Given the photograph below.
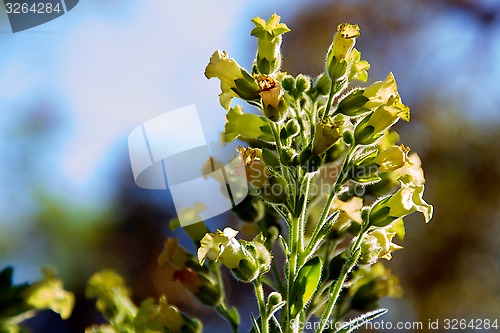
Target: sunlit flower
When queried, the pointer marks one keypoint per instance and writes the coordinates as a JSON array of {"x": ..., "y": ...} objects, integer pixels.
[
  {"x": 235, "y": 81},
  {"x": 327, "y": 133},
  {"x": 269, "y": 42},
  {"x": 393, "y": 158},
  {"x": 406, "y": 200}
]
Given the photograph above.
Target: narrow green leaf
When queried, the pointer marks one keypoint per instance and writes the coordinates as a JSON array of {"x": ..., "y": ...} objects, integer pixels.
[
  {"x": 305, "y": 285},
  {"x": 357, "y": 322}
]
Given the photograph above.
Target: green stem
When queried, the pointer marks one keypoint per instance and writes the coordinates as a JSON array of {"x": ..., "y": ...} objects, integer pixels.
[
  {"x": 337, "y": 287},
  {"x": 259, "y": 294},
  {"x": 296, "y": 108},
  {"x": 223, "y": 308},
  {"x": 330, "y": 100},
  {"x": 303, "y": 213},
  {"x": 326, "y": 209}
]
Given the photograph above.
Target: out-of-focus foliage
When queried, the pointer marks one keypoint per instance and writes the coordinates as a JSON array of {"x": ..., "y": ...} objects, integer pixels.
[
  {"x": 113, "y": 301},
  {"x": 19, "y": 302}
]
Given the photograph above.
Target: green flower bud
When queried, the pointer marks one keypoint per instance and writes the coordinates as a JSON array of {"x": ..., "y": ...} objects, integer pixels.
[
  {"x": 292, "y": 128},
  {"x": 406, "y": 200},
  {"x": 365, "y": 170},
  {"x": 286, "y": 156},
  {"x": 359, "y": 68},
  {"x": 235, "y": 81},
  {"x": 288, "y": 83},
  {"x": 323, "y": 84},
  {"x": 202, "y": 285},
  {"x": 327, "y": 133},
  {"x": 303, "y": 83},
  {"x": 269, "y": 42},
  {"x": 274, "y": 298}
]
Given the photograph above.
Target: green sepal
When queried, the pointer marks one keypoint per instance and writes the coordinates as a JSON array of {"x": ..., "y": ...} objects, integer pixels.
[
  {"x": 270, "y": 158},
  {"x": 352, "y": 103}
]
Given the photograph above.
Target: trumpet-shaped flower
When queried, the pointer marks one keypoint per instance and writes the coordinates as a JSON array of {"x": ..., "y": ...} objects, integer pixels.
[
  {"x": 406, "y": 200},
  {"x": 235, "y": 81},
  {"x": 393, "y": 158},
  {"x": 374, "y": 124},
  {"x": 269, "y": 42},
  {"x": 380, "y": 92},
  {"x": 247, "y": 260},
  {"x": 327, "y": 133}
]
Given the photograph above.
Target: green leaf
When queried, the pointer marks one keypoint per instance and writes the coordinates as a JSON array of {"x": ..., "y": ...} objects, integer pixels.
[
  {"x": 305, "y": 285},
  {"x": 234, "y": 317},
  {"x": 357, "y": 322}
]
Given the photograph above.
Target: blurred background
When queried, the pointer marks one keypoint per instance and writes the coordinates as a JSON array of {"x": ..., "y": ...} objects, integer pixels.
[{"x": 73, "y": 89}]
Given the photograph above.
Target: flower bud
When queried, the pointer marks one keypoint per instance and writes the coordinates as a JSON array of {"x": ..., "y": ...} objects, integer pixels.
[
  {"x": 274, "y": 298},
  {"x": 364, "y": 169},
  {"x": 302, "y": 84},
  {"x": 292, "y": 128},
  {"x": 269, "y": 42},
  {"x": 323, "y": 84},
  {"x": 235, "y": 81},
  {"x": 359, "y": 68},
  {"x": 406, "y": 200}
]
